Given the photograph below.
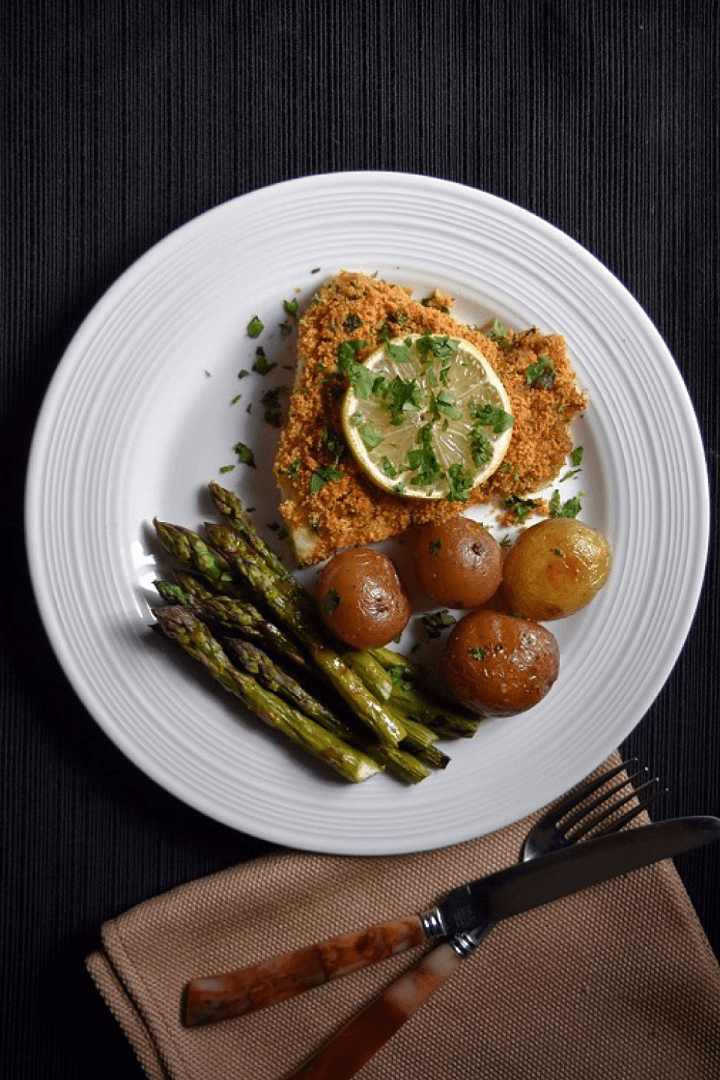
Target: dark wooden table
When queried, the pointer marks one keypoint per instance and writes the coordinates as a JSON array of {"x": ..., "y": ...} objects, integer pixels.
[{"x": 125, "y": 118}]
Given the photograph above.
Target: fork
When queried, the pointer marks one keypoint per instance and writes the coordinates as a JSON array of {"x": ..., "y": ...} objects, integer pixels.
[
  {"x": 571, "y": 819},
  {"x": 237, "y": 993}
]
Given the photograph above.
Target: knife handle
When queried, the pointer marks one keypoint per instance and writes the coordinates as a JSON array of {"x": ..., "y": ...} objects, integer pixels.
[
  {"x": 369, "y": 1030},
  {"x": 222, "y": 996}
]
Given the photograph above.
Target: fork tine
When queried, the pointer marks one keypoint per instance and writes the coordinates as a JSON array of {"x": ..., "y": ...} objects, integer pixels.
[
  {"x": 559, "y": 810},
  {"x": 628, "y": 816},
  {"x": 586, "y": 809},
  {"x": 595, "y": 821}
]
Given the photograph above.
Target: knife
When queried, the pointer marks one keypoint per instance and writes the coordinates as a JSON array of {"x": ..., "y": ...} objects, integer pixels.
[{"x": 471, "y": 909}]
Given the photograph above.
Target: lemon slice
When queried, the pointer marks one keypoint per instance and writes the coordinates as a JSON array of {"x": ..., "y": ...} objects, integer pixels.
[{"x": 426, "y": 416}]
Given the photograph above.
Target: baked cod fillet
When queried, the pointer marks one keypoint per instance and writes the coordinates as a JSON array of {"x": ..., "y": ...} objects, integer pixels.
[{"x": 327, "y": 501}]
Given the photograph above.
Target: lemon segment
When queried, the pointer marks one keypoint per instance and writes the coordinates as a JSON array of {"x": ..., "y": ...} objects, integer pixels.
[{"x": 426, "y": 416}]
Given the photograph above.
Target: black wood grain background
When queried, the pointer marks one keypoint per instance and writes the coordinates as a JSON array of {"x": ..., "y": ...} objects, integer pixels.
[{"x": 122, "y": 119}]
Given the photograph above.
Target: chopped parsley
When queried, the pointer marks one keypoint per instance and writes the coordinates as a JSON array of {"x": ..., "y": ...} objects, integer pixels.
[
  {"x": 387, "y": 467},
  {"x": 323, "y": 475},
  {"x": 331, "y": 601},
  {"x": 432, "y": 301},
  {"x": 520, "y": 507},
  {"x": 293, "y": 468},
  {"x": 397, "y": 678},
  {"x": 226, "y": 468},
  {"x": 401, "y": 354},
  {"x": 271, "y": 402},
  {"x": 434, "y": 624},
  {"x": 576, "y": 460},
  {"x": 423, "y": 461},
  {"x": 434, "y": 547},
  {"x": 444, "y": 403},
  {"x": 347, "y": 350},
  {"x": 405, "y": 395},
  {"x": 361, "y": 379},
  {"x": 333, "y": 442},
  {"x": 459, "y": 483},
  {"x": 477, "y": 653},
  {"x": 480, "y": 446},
  {"x": 291, "y": 306},
  {"x": 261, "y": 364},
  {"x": 441, "y": 347},
  {"x": 569, "y": 509},
  {"x": 497, "y": 332},
  {"x": 245, "y": 454},
  {"x": 352, "y": 322},
  {"x": 491, "y": 416},
  {"x": 370, "y": 436},
  {"x": 541, "y": 374},
  {"x": 255, "y": 327},
  {"x": 242, "y": 373}
]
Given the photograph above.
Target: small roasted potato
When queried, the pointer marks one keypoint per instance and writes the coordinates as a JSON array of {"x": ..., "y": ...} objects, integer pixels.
[
  {"x": 362, "y": 599},
  {"x": 497, "y": 665},
  {"x": 457, "y": 562},
  {"x": 555, "y": 568}
]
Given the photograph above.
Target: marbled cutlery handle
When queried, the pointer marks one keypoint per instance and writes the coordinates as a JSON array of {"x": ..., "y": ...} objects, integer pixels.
[
  {"x": 366, "y": 1033},
  {"x": 222, "y": 996}
]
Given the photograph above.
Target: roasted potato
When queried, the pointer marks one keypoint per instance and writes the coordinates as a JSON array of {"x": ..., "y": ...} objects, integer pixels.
[
  {"x": 555, "y": 568},
  {"x": 362, "y": 599},
  {"x": 497, "y": 664},
  {"x": 457, "y": 562}
]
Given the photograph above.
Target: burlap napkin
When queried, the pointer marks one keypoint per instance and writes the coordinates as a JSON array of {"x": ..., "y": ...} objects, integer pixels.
[{"x": 613, "y": 983}]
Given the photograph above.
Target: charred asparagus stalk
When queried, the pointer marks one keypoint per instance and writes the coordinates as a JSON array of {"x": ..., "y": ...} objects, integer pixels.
[
  {"x": 239, "y": 616},
  {"x": 182, "y": 626},
  {"x": 399, "y": 761},
  {"x": 303, "y": 624},
  {"x": 410, "y": 698},
  {"x": 231, "y": 508}
]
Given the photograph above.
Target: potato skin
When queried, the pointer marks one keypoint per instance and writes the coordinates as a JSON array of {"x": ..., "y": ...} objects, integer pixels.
[
  {"x": 555, "y": 568},
  {"x": 369, "y": 605},
  {"x": 457, "y": 562},
  {"x": 498, "y": 665}
]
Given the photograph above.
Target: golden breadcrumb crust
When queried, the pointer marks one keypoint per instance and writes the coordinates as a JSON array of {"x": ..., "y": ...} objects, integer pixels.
[{"x": 351, "y": 511}]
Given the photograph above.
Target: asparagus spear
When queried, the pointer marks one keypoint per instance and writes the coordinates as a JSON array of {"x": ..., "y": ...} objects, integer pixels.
[
  {"x": 182, "y": 626},
  {"x": 409, "y": 697},
  {"x": 193, "y": 585},
  {"x": 406, "y": 766},
  {"x": 373, "y": 674},
  {"x": 407, "y": 702},
  {"x": 303, "y": 624},
  {"x": 232, "y": 614},
  {"x": 433, "y": 756},
  {"x": 401, "y": 763},
  {"x": 231, "y": 507},
  {"x": 256, "y": 662},
  {"x": 192, "y": 551}
]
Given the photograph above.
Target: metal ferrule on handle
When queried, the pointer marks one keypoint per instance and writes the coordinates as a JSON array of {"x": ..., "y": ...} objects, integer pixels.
[
  {"x": 434, "y": 925},
  {"x": 465, "y": 943}
]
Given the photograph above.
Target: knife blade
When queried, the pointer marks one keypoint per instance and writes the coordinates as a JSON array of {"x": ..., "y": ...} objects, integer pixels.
[{"x": 465, "y": 916}]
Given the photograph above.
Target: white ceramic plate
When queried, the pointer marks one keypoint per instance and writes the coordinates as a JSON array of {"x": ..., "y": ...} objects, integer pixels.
[{"x": 139, "y": 417}]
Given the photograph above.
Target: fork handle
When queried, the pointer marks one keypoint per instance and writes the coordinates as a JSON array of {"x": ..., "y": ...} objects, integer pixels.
[
  {"x": 220, "y": 997},
  {"x": 369, "y": 1030}
]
